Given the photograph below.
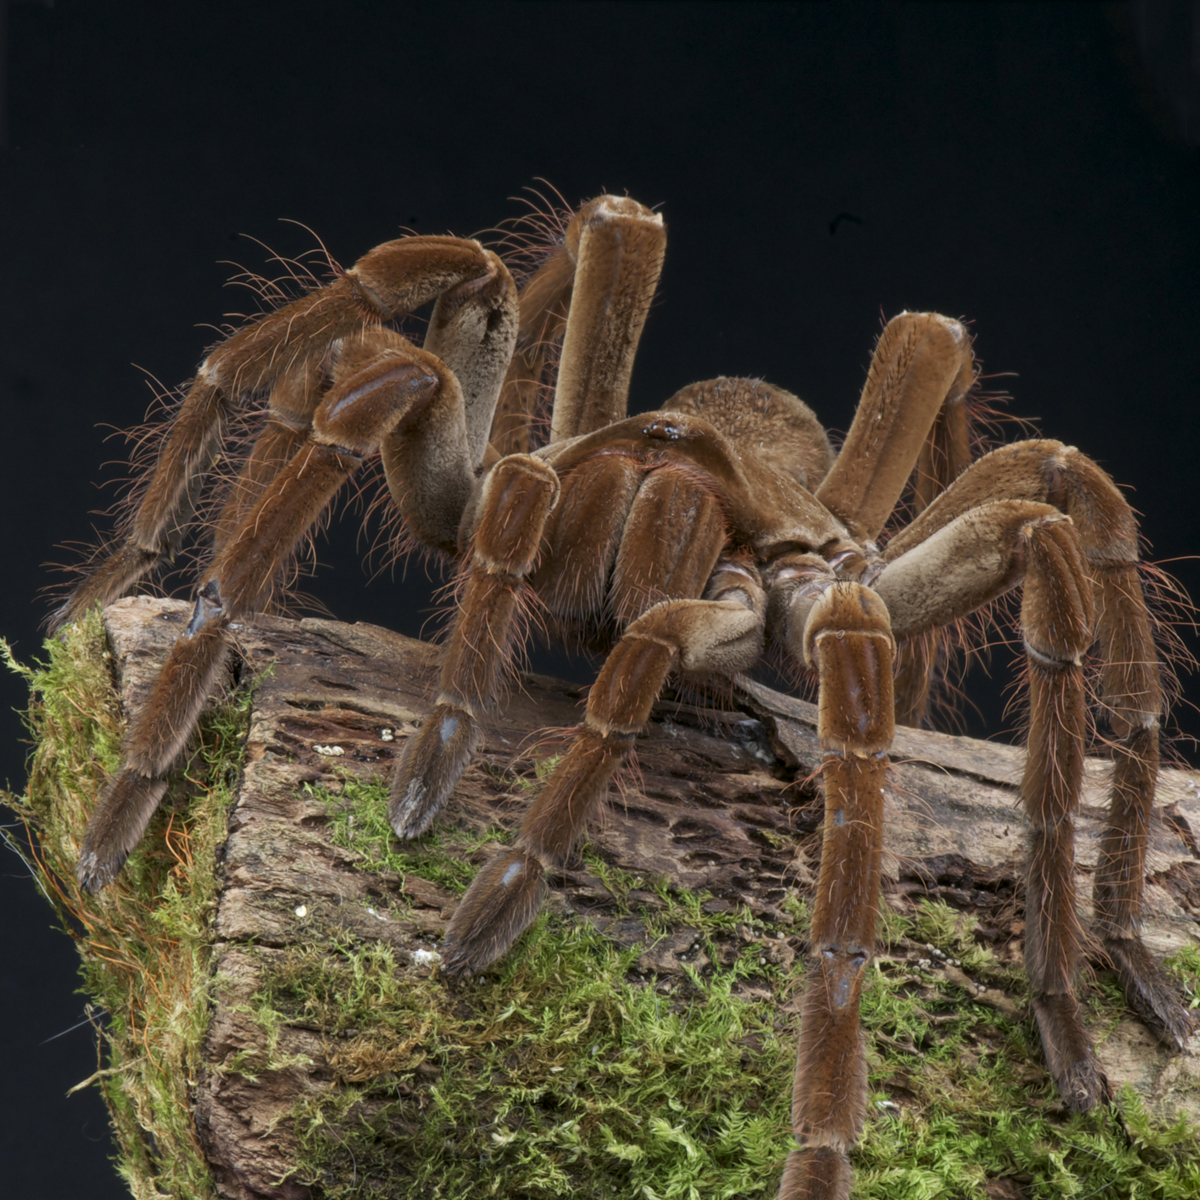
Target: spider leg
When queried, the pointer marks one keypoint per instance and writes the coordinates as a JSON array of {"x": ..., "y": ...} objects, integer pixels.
[
  {"x": 848, "y": 640},
  {"x": 695, "y": 636},
  {"x": 1057, "y": 618},
  {"x": 400, "y": 393},
  {"x": 1128, "y": 683},
  {"x": 945, "y": 454},
  {"x": 516, "y": 501},
  {"x": 958, "y": 554},
  {"x": 390, "y": 280},
  {"x": 433, "y": 457},
  {"x": 969, "y": 561},
  {"x": 471, "y": 329},
  {"x": 618, "y": 247},
  {"x": 584, "y": 309},
  {"x": 545, "y": 300},
  {"x": 1131, "y": 690},
  {"x": 582, "y": 544},
  {"x": 922, "y": 366},
  {"x": 293, "y": 400},
  {"x": 978, "y": 556}
]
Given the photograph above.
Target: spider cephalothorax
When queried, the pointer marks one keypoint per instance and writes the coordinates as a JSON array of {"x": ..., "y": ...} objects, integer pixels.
[{"x": 677, "y": 543}]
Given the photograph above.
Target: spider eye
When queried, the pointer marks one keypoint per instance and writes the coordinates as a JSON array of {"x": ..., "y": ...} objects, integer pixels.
[{"x": 663, "y": 430}]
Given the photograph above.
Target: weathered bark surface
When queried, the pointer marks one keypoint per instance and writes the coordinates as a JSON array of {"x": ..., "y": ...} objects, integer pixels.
[{"x": 716, "y": 806}]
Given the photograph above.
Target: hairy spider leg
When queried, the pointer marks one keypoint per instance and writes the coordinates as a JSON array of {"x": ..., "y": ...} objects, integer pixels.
[
  {"x": 605, "y": 272},
  {"x": 977, "y": 548},
  {"x": 1057, "y": 622},
  {"x": 517, "y": 497},
  {"x": 388, "y": 281},
  {"x": 403, "y": 394},
  {"x": 946, "y": 451},
  {"x": 292, "y": 401},
  {"x": 618, "y": 246},
  {"x": 847, "y": 640},
  {"x": 545, "y": 301},
  {"x": 921, "y": 366},
  {"x": 714, "y": 636},
  {"x": 912, "y": 414},
  {"x": 979, "y": 555},
  {"x": 945, "y": 454}
]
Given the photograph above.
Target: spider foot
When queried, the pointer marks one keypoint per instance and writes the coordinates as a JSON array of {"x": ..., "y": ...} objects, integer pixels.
[
  {"x": 430, "y": 765},
  {"x": 116, "y": 827},
  {"x": 1072, "y": 1063},
  {"x": 816, "y": 1173},
  {"x": 498, "y": 907},
  {"x": 1149, "y": 992}
]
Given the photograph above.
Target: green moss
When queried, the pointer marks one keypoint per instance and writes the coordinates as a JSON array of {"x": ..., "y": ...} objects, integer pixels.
[
  {"x": 569, "y": 1068},
  {"x": 1184, "y": 967},
  {"x": 950, "y": 934},
  {"x": 358, "y": 821},
  {"x": 558, "y": 1076},
  {"x": 566, "y": 1071},
  {"x": 558, "y": 1073},
  {"x": 961, "y": 1099},
  {"x": 144, "y": 942}
]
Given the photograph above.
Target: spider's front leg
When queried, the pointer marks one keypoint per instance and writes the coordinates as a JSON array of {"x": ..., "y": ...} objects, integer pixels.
[
  {"x": 717, "y": 636},
  {"x": 385, "y": 392},
  {"x": 517, "y": 498},
  {"x": 848, "y": 639}
]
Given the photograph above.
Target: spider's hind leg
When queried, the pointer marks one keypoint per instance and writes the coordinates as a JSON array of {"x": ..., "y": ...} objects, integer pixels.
[
  {"x": 1131, "y": 698},
  {"x": 400, "y": 389},
  {"x": 392, "y": 279},
  {"x": 1081, "y": 586},
  {"x": 1057, "y": 616}
]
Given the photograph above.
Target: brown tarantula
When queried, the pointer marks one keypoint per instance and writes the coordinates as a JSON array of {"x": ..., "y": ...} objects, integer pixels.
[{"x": 678, "y": 543}]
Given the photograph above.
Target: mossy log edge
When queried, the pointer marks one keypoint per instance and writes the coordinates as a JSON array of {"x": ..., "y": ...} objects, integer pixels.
[{"x": 722, "y": 801}]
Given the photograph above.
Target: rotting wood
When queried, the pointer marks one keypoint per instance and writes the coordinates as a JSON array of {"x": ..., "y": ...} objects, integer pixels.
[{"x": 719, "y": 802}]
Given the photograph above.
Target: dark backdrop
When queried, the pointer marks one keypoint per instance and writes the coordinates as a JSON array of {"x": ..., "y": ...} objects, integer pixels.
[{"x": 1030, "y": 168}]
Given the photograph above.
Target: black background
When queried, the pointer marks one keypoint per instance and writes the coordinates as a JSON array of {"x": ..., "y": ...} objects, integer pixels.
[{"x": 1029, "y": 168}]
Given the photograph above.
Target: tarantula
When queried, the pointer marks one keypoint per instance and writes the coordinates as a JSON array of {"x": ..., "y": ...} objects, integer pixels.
[{"x": 679, "y": 542}]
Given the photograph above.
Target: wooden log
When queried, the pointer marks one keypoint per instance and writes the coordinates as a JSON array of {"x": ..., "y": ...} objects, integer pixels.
[{"x": 722, "y": 803}]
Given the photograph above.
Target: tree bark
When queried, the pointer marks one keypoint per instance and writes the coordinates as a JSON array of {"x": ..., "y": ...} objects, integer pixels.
[{"x": 723, "y": 800}]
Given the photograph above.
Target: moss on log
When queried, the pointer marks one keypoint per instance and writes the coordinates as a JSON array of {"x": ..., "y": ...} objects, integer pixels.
[{"x": 268, "y": 959}]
